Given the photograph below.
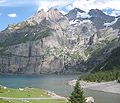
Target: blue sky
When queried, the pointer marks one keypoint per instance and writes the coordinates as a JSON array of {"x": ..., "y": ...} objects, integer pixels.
[{"x": 14, "y": 11}]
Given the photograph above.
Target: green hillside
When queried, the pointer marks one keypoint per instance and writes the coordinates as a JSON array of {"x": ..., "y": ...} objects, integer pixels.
[
  {"x": 112, "y": 62},
  {"x": 109, "y": 70}
]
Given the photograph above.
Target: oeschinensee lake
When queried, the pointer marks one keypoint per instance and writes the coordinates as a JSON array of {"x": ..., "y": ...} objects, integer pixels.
[{"x": 56, "y": 83}]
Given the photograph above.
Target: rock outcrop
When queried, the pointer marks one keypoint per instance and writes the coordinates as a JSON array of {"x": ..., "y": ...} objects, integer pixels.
[{"x": 50, "y": 42}]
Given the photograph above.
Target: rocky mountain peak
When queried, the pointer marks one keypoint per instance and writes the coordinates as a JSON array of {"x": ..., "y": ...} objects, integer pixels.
[
  {"x": 42, "y": 10},
  {"x": 37, "y": 17},
  {"x": 50, "y": 42},
  {"x": 51, "y": 15},
  {"x": 72, "y": 15},
  {"x": 78, "y": 10},
  {"x": 99, "y": 18},
  {"x": 96, "y": 12}
]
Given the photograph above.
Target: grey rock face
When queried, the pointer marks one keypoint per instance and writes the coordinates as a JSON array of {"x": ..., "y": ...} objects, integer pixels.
[
  {"x": 117, "y": 24},
  {"x": 99, "y": 18},
  {"x": 50, "y": 42},
  {"x": 72, "y": 15}
]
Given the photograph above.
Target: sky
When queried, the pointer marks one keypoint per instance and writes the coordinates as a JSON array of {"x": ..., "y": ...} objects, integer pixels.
[{"x": 15, "y": 11}]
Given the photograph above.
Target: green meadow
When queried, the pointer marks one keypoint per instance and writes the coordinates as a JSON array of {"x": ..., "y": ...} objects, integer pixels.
[{"x": 26, "y": 93}]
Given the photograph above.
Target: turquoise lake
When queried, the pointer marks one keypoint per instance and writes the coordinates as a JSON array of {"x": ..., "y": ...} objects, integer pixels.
[{"x": 56, "y": 83}]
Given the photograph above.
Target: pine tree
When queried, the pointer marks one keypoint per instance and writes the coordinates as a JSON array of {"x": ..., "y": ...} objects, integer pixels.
[{"x": 77, "y": 96}]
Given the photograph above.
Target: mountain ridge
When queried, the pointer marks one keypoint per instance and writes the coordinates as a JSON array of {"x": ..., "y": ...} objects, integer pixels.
[{"x": 50, "y": 42}]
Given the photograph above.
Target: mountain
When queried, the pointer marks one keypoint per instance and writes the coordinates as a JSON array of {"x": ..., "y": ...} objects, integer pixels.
[
  {"x": 99, "y": 18},
  {"x": 50, "y": 42},
  {"x": 111, "y": 63},
  {"x": 73, "y": 14}
]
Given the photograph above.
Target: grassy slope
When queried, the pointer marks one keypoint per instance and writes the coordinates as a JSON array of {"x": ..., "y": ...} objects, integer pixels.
[
  {"x": 26, "y": 93},
  {"x": 4, "y": 101}
]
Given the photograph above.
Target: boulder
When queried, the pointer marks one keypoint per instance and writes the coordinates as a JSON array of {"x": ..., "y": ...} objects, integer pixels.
[{"x": 90, "y": 100}]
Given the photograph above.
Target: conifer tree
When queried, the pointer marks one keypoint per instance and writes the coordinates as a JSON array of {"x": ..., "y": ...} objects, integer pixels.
[{"x": 77, "y": 96}]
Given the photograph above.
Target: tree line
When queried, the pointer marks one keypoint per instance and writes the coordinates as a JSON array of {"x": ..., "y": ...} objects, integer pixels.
[{"x": 102, "y": 76}]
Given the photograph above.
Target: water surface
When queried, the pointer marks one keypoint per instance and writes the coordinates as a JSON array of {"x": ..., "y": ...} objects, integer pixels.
[{"x": 56, "y": 83}]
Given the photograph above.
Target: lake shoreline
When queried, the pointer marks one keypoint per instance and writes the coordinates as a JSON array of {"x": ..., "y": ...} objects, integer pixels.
[
  {"x": 109, "y": 87},
  {"x": 57, "y": 84}
]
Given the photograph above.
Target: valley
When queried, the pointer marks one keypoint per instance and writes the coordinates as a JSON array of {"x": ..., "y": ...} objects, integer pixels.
[{"x": 42, "y": 56}]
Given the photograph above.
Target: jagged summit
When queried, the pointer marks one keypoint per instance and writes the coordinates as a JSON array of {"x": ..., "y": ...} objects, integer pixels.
[
  {"x": 53, "y": 9},
  {"x": 78, "y": 10},
  {"x": 96, "y": 12},
  {"x": 52, "y": 15},
  {"x": 99, "y": 18},
  {"x": 72, "y": 15}
]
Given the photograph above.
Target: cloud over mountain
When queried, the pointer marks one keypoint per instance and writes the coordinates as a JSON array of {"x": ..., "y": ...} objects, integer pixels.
[
  {"x": 66, "y": 5},
  {"x": 85, "y": 5},
  {"x": 93, "y": 4},
  {"x": 47, "y": 4}
]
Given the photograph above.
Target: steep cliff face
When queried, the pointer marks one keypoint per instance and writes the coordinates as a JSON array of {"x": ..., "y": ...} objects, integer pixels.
[{"x": 50, "y": 42}]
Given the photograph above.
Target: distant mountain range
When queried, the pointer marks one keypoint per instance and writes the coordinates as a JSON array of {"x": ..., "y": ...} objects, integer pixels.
[{"x": 50, "y": 42}]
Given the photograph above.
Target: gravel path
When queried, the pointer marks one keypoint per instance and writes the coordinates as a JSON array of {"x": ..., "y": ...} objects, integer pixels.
[
  {"x": 51, "y": 98},
  {"x": 111, "y": 87}
]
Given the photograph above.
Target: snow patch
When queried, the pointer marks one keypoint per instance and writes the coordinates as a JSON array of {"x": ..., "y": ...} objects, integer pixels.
[
  {"x": 78, "y": 22},
  {"x": 111, "y": 23},
  {"x": 34, "y": 34},
  {"x": 83, "y": 15},
  {"x": 72, "y": 22},
  {"x": 26, "y": 35},
  {"x": 85, "y": 21}
]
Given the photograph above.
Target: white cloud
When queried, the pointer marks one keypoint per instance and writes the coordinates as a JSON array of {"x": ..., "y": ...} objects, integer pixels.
[
  {"x": 18, "y": 3},
  {"x": 86, "y": 5},
  {"x": 115, "y": 13},
  {"x": 93, "y": 4},
  {"x": 2, "y": 1},
  {"x": 47, "y": 4},
  {"x": 13, "y": 15},
  {"x": 65, "y": 5}
]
